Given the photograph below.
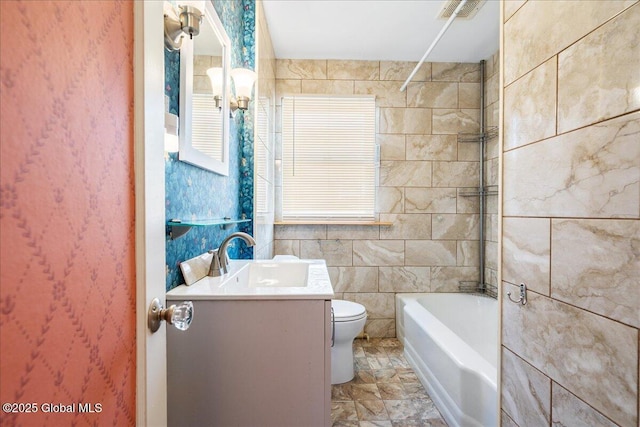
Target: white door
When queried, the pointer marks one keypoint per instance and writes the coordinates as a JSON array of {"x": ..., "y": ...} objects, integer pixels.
[{"x": 151, "y": 360}]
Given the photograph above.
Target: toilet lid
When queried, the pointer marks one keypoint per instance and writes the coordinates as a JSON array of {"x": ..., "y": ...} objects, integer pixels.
[{"x": 346, "y": 311}]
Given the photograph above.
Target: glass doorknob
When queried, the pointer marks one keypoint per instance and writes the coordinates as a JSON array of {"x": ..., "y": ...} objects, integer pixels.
[{"x": 178, "y": 315}]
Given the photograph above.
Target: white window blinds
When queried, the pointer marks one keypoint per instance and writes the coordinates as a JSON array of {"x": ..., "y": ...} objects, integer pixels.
[
  {"x": 328, "y": 158},
  {"x": 206, "y": 125}
]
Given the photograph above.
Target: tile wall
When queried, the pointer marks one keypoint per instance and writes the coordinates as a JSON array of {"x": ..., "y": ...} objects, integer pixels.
[
  {"x": 433, "y": 242},
  {"x": 264, "y": 138},
  {"x": 491, "y": 168},
  {"x": 571, "y": 213}
]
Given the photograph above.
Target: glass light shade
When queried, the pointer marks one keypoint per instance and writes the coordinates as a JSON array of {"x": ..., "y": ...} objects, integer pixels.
[
  {"x": 215, "y": 75},
  {"x": 243, "y": 80}
]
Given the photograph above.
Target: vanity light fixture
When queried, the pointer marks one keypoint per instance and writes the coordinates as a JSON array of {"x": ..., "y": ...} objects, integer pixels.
[
  {"x": 187, "y": 22},
  {"x": 215, "y": 75},
  {"x": 243, "y": 80}
]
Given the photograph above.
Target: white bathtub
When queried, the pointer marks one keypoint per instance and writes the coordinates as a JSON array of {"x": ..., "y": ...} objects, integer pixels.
[{"x": 450, "y": 340}]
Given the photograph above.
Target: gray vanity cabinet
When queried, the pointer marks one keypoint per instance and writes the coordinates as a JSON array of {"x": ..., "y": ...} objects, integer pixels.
[{"x": 262, "y": 363}]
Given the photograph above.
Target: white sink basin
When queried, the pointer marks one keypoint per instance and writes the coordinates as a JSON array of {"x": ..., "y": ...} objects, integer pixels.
[
  {"x": 280, "y": 274},
  {"x": 262, "y": 279}
]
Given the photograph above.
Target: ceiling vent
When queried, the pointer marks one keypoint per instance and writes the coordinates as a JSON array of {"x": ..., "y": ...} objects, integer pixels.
[{"x": 468, "y": 11}]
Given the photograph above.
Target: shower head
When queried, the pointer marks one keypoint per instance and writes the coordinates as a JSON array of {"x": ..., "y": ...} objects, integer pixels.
[{"x": 468, "y": 11}]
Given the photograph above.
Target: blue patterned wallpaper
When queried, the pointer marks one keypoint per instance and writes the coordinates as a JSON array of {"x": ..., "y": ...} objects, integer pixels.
[
  {"x": 246, "y": 141},
  {"x": 195, "y": 193}
]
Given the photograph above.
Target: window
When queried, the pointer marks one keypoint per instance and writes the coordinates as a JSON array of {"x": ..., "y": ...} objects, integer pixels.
[
  {"x": 206, "y": 125},
  {"x": 328, "y": 158}
]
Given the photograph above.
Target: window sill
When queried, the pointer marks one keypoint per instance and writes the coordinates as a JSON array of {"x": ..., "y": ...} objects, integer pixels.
[{"x": 328, "y": 222}]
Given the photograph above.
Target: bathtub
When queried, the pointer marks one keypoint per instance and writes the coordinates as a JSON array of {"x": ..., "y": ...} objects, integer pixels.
[{"x": 450, "y": 340}]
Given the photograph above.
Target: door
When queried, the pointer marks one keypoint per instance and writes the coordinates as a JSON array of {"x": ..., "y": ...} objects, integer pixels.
[{"x": 151, "y": 360}]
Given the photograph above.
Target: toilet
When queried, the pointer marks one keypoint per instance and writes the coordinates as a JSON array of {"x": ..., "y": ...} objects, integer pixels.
[{"x": 348, "y": 320}]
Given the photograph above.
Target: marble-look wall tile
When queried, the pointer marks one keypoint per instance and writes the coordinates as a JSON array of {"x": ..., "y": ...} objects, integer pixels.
[
  {"x": 404, "y": 279},
  {"x": 505, "y": 420},
  {"x": 491, "y": 255},
  {"x": 387, "y": 93},
  {"x": 590, "y": 172},
  {"x": 467, "y": 205},
  {"x": 454, "y": 226},
  {"x": 380, "y": 305},
  {"x": 492, "y": 65},
  {"x": 531, "y": 103},
  {"x": 492, "y": 171},
  {"x": 407, "y": 120},
  {"x": 353, "y": 70},
  {"x": 390, "y": 200},
  {"x": 287, "y": 87},
  {"x": 492, "y": 115},
  {"x": 594, "y": 357},
  {"x": 468, "y": 253},
  {"x": 492, "y": 90},
  {"x": 526, "y": 392},
  {"x": 447, "y": 279},
  {"x": 284, "y": 232},
  {"x": 406, "y": 226},
  {"x": 400, "y": 70},
  {"x": 405, "y": 174},
  {"x": 450, "y": 121},
  {"x": 432, "y": 147},
  {"x": 431, "y": 253},
  {"x": 301, "y": 69},
  {"x": 327, "y": 87},
  {"x": 529, "y": 45},
  {"x": 493, "y": 229},
  {"x": 568, "y": 410},
  {"x": 455, "y": 174},
  {"x": 469, "y": 93},
  {"x": 526, "y": 252},
  {"x": 381, "y": 328},
  {"x": 392, "y": 147},
  {"x": 378, "y": 252},
  {"x": 511, "y": 6},
  {"x": 455, "y": 72},
  {"x": 468, "y": 152},
  {"x": 352, "y": 232},
  {"x": 433, "y": 95},
  {"x": 430, "y": 200},
  {"x": 201, "y": 84},
  {"x": 589, "y": 94},
  {"x": 595, "y": 264},
  {"x": 408, "y": 150},
  {"x": 354, "y": 279},
  {"x": 335, "y": 252}
]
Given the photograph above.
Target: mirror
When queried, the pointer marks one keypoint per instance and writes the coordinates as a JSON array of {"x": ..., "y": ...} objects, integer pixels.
[{"x": 204, "y": 127}]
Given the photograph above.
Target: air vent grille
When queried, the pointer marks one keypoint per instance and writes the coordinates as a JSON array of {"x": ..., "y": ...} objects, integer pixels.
[{"x": 468, "y": 11}]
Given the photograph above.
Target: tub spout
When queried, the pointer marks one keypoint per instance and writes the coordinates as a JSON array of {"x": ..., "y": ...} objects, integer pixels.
[{"x": 220, "y": 259}]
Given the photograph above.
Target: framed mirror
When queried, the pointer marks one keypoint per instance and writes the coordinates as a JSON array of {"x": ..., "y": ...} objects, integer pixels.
[{"x": 204, "y": 68}]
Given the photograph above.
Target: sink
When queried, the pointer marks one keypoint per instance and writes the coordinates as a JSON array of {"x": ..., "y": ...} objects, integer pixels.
[
  {"x": 278, "y": 274},
  {"x": 262, "y": 279}
]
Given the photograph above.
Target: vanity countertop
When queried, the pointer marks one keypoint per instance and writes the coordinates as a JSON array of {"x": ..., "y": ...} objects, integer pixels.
[{"x": 234, "y": 285}]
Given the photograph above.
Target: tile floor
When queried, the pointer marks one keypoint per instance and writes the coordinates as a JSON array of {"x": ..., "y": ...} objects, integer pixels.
[{"x": 385, "y": 391}]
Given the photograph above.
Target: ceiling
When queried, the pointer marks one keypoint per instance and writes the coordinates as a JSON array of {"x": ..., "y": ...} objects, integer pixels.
[{"x": 393, "y": 30}]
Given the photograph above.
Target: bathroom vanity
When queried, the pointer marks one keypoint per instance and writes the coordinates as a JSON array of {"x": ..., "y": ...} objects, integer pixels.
[{"x": 258, "y": 350}]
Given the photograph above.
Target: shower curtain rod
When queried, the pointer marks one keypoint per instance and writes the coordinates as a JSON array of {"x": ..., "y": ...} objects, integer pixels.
[{"x": 437, "y": 39}]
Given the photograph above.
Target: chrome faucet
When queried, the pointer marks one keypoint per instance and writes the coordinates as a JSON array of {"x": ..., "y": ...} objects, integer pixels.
[{"x": 220, "y": 259}]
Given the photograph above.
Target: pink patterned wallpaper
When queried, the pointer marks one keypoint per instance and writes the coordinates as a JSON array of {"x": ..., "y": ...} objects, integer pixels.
[{"x": 67, "y": 283}]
